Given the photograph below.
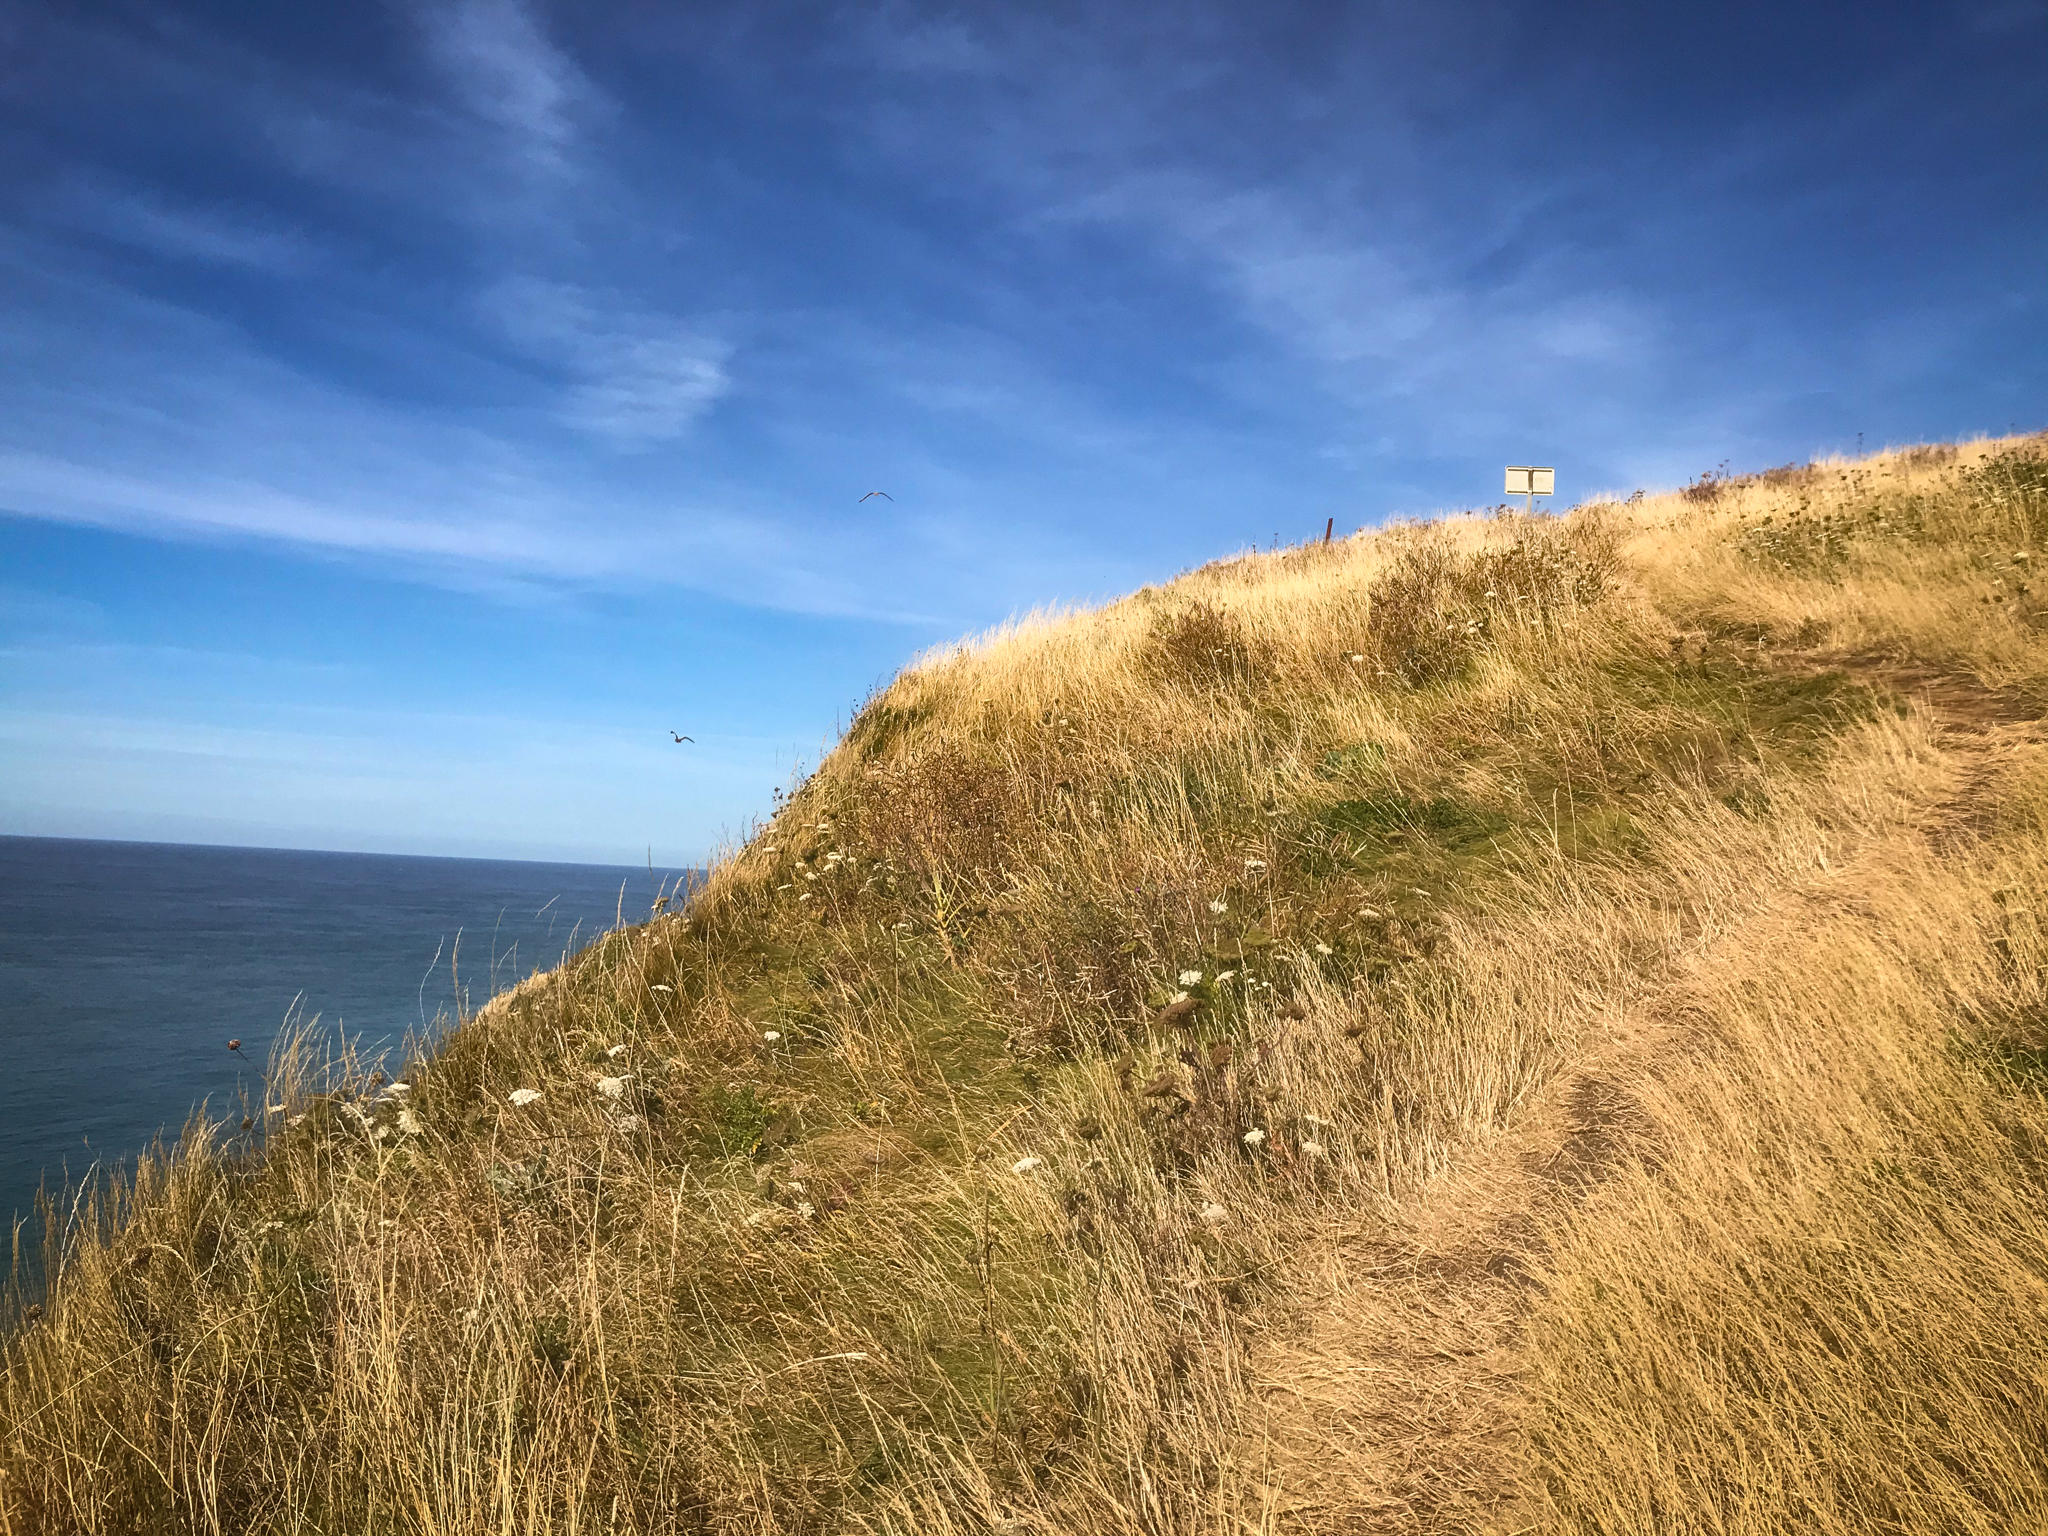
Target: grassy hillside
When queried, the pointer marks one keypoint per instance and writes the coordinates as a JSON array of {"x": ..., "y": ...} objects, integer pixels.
[{"x": 1498, "y": 1025}]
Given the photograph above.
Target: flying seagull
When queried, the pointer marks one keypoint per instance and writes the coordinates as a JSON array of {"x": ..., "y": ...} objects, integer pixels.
[
  {"x": 884, "y": 494},
  {"x": 691, "y": 739}
]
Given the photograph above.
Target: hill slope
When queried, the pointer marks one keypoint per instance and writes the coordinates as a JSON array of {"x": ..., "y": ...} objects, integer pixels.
[{"x": 1501, "y": 1024}]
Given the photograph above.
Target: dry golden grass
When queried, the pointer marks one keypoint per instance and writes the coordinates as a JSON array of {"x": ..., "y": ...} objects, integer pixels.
[{"x": 1499, "y": 1024}]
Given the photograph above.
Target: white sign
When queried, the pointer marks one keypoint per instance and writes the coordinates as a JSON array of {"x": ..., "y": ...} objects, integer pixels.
[{"x": 1531, "y": 480}]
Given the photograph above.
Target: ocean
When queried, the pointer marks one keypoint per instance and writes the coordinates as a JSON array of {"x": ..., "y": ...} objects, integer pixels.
[{"x": 125, "y": 969}]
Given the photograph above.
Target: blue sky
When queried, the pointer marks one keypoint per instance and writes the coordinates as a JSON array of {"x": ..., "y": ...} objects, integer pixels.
[{"x": 410, "y": 413}]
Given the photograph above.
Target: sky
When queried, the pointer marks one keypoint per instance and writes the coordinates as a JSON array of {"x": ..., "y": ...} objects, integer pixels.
[{"x": 414, "y": 414}]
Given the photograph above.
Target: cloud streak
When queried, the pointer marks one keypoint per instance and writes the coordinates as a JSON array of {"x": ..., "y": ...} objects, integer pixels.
[
  {"x": 507, "y": 72},
  {"x": 638, "y": 378}
]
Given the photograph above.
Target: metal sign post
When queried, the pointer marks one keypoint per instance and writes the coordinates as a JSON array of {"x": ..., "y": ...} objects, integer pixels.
[{"x": 1531, "y": 481}]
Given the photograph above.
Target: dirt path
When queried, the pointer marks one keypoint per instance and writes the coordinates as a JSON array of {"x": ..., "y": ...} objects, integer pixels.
[{"x": 1397, "y": 1410}]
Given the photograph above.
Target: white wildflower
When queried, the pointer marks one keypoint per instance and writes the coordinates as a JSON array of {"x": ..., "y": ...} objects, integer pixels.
[
  {"x": 270, "y": 1226},
  {"x": 1254, "y": 863},
  {"x": 399, "y": 1090},
  {"x": 1357, "y": 656},
  {"x": 523, "y": 1096},
  {"x": 629, "y": 1123},
  {"x": 771, "y": 1035},
  {"x": 1180, "y": 997},
  {"x": 796, "y": 1186},
  {"x": 1026, "y": 1164},
  {"x": 1214, "y": 1214},
  {"x": 1315, "y": 1149},
  {"x": 1219, "y": 907},
  {"x": 612, "y": 1087},
  {"x": 1190, "y": 978},
  {"x": 1254, "y": 1136},
  {"x": 1324, "y": 949},
  {"x": 805, "y": 1209},
  {"x": 409, "y": 1123},
  {"x": 661, "y": 986}
]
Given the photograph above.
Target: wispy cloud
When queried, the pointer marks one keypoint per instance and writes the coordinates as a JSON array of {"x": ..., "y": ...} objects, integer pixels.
[
  {"x": 195, "y": 434},
  {"x": 897, "y": 38},
  {"x": 517, "y": 524},
  {"x": 165, "y": 226},
  {"x": 637, "y": 377},
  {"x": 508, "y": 72}
]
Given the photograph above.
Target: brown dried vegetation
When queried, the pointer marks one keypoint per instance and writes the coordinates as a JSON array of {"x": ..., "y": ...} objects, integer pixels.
[{"x": 1457, "y": 1029}]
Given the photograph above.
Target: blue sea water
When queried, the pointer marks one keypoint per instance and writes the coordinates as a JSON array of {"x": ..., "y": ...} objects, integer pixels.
[{"x": 125, "y": 968}]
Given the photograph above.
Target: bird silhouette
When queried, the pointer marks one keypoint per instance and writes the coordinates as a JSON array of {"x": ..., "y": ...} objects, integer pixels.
[
  {"x": 884, "y": 494},
  {"x": 690, "y": 739}
]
